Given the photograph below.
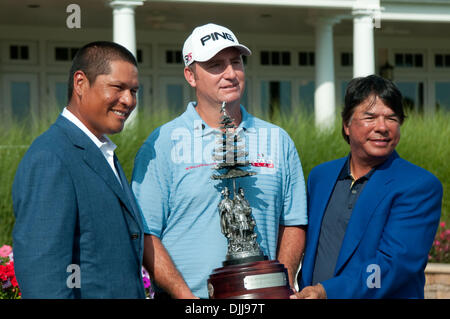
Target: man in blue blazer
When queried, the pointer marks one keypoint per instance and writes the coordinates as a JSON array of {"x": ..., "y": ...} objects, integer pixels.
[
  {"x": 77, "y": 232},
  {"x": 372, "y": 215}
]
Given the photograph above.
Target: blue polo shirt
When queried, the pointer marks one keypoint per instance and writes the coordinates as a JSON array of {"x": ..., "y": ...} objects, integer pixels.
[{"x": 178, "y": 198}]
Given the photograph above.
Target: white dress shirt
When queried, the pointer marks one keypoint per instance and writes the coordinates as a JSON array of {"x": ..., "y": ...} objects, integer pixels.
[{"x": 105, "y": 145}]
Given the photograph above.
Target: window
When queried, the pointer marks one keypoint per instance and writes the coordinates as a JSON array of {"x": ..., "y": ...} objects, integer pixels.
[
  {"x": 19, "y": 52},
  {"x": 19, "y": 95},
  {"x": 276, "y": 97},
  {"x": 413, "y": 95},
  {"x": 409, "y": 60},
  {"x": 343, "y": 92},
  {"x": 275, "y": 58},
  {"x": 61, "y": 94},
  {"x": 20, "y": 99},
  {"x": 139, "y": 56},
  {"x": 144, "y": 55},
  {"x": 442, "y": 90},
  {"x": 306, "y": 96},
  {"x": 306, "y": 58},
  {"x": 442, "y": 60},
  {"x": 346, "y": 59},
  {"x": 265, "y": 58},
  {"x": 173, "y": 57},
  {"x": 173, "y": 93},
  {"x": 65, "y": 53}
]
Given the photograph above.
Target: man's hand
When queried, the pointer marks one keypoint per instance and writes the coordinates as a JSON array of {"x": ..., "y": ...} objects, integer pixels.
[
  {"x": 311, "y": 292},
  {"x": 162, "y": 269},
  {"x": 291, "y": 243}
]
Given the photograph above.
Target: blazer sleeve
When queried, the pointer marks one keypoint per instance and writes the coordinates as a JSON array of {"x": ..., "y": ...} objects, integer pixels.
[
  {"x": 44, "y": 201},
  {"x": 402, "y": 251}
]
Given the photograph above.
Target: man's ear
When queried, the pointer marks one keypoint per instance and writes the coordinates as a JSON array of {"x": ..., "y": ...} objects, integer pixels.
[
  {"x": 346, "y": 129},
  {"x": 80, "y": 82},
  {"x": 189, "y": 75}
]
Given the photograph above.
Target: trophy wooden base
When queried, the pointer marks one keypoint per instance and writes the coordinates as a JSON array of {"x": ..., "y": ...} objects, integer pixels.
[{"x": 266, "y": 279}]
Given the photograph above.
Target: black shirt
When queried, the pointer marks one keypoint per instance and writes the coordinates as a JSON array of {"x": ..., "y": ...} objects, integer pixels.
[{"x": 335, "y": 220}]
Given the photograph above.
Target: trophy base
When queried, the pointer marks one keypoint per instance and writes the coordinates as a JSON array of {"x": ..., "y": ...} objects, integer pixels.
[
  {"x": 267, "y": 279},
  {"x": 243, "y": 260}
]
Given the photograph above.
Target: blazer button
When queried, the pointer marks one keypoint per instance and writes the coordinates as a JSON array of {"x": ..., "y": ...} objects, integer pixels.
[{"x": 134, "y": 236}]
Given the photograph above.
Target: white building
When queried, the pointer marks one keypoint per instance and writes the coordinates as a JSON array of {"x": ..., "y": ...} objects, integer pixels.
[{"x": 304, "y": 51}]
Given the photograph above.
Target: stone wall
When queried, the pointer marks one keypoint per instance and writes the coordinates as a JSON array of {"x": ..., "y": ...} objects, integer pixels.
[{"x": 437, "y": 285}]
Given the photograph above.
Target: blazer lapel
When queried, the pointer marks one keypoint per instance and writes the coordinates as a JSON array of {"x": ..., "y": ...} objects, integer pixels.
[
  {"x": 127, "y": 190},
  {"x": 320, "y": 202},
  {"x": 95, "y": 159},
  {"x": 373, "y": 193},
  {"x": 322, "y": 189}
]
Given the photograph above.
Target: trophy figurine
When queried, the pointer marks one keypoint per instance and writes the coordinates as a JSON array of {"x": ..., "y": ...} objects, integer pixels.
[{"x": 247, "y": 273}]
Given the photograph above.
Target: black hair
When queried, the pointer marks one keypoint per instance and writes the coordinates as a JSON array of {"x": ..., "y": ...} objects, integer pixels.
[
  {"x": 361, "y": 88},
  {"x": 94, "y": 59}
]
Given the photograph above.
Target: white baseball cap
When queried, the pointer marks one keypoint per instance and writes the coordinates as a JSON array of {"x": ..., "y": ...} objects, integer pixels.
[{"x": 208, "y": 40}]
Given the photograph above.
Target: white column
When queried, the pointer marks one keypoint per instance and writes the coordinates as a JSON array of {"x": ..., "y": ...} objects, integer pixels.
[
  {"x": 124, "y": 33},
  {"x": 366, "y": 16},
  {"x": 324, "y": 95},
  {"x": 123, "y": 23},
  {"x": 363, "y": 44}
]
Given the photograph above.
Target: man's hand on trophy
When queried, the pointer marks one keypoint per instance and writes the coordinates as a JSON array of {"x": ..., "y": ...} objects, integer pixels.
[{"x": 311, "y": 292}]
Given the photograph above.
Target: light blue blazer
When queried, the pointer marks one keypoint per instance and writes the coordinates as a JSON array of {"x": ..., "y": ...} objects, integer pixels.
[
  {"x": 71, "y": 211},
  {"x": 388, "y": 237}
]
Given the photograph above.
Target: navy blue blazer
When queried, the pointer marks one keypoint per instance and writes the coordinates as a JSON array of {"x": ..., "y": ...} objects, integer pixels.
[
  {"x": 389, "y": 234},
  {"x": 71, "y": 211}
]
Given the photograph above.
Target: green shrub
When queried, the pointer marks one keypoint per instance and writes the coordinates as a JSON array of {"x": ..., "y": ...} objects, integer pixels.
[
  {"x": 15, "y": 140},
  {"x": 423, "y": 142}
]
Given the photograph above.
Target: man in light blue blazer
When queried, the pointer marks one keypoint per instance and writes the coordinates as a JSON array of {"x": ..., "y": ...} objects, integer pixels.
[
  {"x": 77, "y": 232},
  {"x": 372, "y": 215}
]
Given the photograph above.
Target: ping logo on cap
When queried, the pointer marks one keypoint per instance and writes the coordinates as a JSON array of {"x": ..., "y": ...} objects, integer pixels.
[{"x": 215, "y": 36}]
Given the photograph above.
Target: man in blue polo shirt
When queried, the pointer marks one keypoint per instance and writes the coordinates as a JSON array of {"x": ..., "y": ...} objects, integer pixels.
[{"x": 172, "y": 176}]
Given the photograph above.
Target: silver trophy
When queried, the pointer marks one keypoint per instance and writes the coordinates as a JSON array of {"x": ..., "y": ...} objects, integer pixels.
[{"x": 236, "y": 220}]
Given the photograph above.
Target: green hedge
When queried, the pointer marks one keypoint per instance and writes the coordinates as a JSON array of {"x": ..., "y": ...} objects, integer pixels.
[{"x": 424, "y": 142}]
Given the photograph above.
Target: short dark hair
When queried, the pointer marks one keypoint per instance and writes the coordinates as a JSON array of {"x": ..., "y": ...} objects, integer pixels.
[
  {"x": 94, "y": 59},
  {"x": 361, "y": 88}
]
